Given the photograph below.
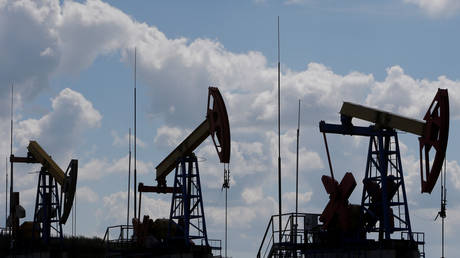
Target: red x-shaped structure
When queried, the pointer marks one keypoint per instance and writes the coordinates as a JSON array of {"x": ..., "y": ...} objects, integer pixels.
[{"x": 337, "y": 207}]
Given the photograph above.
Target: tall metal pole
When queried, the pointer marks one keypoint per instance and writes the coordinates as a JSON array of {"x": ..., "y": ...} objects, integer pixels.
[
  {"x": 297, "y": 170},
  {"x": 279, "y": 137},
  {"x": 11, "y": 125},
  {"x": 129, "y": 183},
  {"x": 297, "y": 166},
  {"x": 72, "y": 217},
  {"x": 75, "y": 208},
  {"x": 6, "y": 192},
  {"x": 135, "y": 170},
  {"x": 11, "y": 154}
]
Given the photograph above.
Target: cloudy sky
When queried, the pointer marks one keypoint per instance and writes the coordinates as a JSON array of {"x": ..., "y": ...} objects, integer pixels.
[{"x": 71, "y": 63}]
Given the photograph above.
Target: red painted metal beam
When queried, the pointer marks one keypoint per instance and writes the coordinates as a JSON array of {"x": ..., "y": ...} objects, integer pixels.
[{"x": 435, "y": 138}]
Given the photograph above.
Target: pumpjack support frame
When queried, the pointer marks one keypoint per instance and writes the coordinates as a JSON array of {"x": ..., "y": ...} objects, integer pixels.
[
  {"x": 384, "y": 187},
  {"x": 187, "y": 203},
  {"x": 47, "y": 208}
]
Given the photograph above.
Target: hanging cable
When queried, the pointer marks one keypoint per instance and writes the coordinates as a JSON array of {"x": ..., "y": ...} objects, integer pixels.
[{"x": 442, "y": 212}]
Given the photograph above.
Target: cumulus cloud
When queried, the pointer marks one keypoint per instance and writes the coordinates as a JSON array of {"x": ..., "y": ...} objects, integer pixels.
[
  {"x": 27, "y": 30},
  {"x": 252, "y": 194},
  {"x": 437, "y": 8},
  {"x": 59, "y": 130},
  {"x": 98, "y": 168},
  {"x": 247, "y": 82},
  {"x": 123, "y": 141},
  {"x": 170, "y": 137},
  {"x": 176, "y": 74},
  {"x": 86, "y": 194},
  {"x": 296, "y": 2},
  {"x": 109, "y": 213},
  {"x": 402, "y": 94}
]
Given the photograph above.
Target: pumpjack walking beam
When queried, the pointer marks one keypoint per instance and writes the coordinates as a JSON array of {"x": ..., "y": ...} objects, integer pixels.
[{"x": 216, "y": 124}]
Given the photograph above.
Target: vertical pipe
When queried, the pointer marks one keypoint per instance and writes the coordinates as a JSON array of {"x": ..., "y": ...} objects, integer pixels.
[
  {"x": 279, "y": 136},
  {"x": 129, "y": 183},
  {"x": 135, "y": 171}
]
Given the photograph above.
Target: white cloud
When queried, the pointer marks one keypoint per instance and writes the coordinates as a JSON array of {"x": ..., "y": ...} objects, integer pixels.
[
  {"x": 289, "y": 198},
  {"x": 109, "y": 213},
  {"x": 243, "y": 217},
  {"x": 252, "y": 195},
  {"x": 437, "y": 8},
  {"x": 50, "y": 36},
  {"x": 296, "y": 2},
  {"x": 99, "y": 168},
  {"x": 59, "y": 130},
  {"x": 86, "y": 194},
  {"x": 453, "y": 173},
  {"x": 169, "y": 137},
  {"x": 123, "y": 141}
]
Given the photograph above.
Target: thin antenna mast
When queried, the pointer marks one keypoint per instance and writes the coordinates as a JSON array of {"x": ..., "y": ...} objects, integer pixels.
[
  {"x": 135, "y": 170},
  {"x": 11, "y": 125},
  {"x": 297, "y": 172},
  {"x": 6, "y": 192},
  {"x": 279, "y": 136},
  {"x": 11, "y": 154},
  {"x": 129, "y": 183},
  {"x": 75, "y": 209}
]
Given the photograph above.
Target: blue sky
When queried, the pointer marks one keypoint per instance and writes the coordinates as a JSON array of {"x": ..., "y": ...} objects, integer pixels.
[{"x": 72, "y": 66}]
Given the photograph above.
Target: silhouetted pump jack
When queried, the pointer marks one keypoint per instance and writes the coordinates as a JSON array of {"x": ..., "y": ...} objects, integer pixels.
[{"x": 187, "y": 221}]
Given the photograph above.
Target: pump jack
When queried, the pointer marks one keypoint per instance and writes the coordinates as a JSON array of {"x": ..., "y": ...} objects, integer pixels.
[
  {"x": 49, "y": 206},
  {"x": 384, "y": 182},
  {"x": 384, "y": 207},
  {"x": 187, "y": 214}
]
